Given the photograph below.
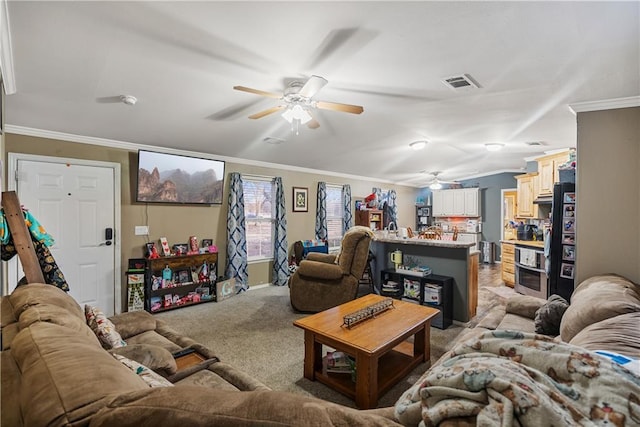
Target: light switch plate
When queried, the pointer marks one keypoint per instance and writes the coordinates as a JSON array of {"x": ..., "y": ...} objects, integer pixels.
[{"x": 142, "y": 230}]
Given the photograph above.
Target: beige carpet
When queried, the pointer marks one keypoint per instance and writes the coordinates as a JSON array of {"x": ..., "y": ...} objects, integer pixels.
[{"x": 254, "y": 332}]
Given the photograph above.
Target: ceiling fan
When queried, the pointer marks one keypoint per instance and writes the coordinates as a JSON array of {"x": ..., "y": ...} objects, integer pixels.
[
  {"x": 297, "y": 102},
  {"x": 436, "y": 183}
]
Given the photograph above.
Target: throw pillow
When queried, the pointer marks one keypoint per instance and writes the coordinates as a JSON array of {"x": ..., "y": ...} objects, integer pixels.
[
  {"x": 103, "y": 328},
  {"x": 548, "y": 317},
  {"x": 147, "y": 375}
]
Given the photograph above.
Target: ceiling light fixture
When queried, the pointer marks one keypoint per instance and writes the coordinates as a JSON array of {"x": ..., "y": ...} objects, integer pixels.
[
  {"x": 296, "y": 115},
  {"x": 436, "y": 186},
  {"x": 128, "y": 99},
  {"x": 418, "y": 145},
  {"x": 493, "y": 147}
]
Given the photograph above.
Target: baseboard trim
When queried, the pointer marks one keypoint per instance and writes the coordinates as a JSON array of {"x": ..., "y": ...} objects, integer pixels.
[{"x": 259, "y": 286}]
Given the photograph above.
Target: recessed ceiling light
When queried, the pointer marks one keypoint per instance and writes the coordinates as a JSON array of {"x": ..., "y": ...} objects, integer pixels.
[
  {"x": 273, "y": 140},
  {"x": 128, "y": 99},
  {"x": 418, "y": 145},
  {"x": 493, "y": 147}
]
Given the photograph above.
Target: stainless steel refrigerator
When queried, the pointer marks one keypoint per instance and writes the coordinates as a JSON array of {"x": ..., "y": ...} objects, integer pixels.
[{"x": 562, "y": 248}]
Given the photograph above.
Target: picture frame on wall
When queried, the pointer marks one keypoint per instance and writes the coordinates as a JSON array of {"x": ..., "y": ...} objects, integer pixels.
[
  {"x": 566, "y": 271},
  {"x": 300, "y": 199}
]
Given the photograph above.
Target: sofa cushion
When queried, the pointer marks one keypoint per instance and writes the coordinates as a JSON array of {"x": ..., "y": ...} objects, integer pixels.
[
  {"x": 66, "y": 376},
  {"x": 10, "y": 413},
  {"x": 548, "y": 317},
  {"x": 598, "y": 298},
  {"x": 152, "y": 356},
  {"x": 133, "y": 323},
  {"x": 103, "y": 328},
  {"x": 154, "y": 338},
  {"x": 515, "y": 322},
  {"x": 524, "y": 305},
  {"x": 34, "y": 294},
  {"x": 191, "y": 406},
  {"x": 619, "y": 334}
]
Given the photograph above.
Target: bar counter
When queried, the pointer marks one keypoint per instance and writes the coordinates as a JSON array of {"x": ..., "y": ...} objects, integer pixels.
[{"x": 444, "y": 257}]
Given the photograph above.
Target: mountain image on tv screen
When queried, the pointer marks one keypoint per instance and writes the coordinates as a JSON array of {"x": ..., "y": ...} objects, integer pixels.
[{"x": 179, "y": 179}]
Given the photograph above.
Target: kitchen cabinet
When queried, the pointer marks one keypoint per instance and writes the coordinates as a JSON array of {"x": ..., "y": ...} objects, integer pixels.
[
  {"x": 548, "y": 173},
  {"x": 508, "y": 264},
  {"x": 456, "y": 202},
  {"x": 371, "y": 218},
  {"x": 527, "y": 189}
]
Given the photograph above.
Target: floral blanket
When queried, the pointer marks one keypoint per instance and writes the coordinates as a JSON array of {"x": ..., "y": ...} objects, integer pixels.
[{"x": 509, "y": 378}]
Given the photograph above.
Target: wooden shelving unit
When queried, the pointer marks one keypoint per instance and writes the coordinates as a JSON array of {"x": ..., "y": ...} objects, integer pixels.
[
  {"x": 182, "y": 290},
  {"x": 371, "y": 218}
]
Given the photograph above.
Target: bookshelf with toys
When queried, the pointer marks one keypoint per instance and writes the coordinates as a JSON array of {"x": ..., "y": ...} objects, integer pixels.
[{"x": 184, "y": 276}]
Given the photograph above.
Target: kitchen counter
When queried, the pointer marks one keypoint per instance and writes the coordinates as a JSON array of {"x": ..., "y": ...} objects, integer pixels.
[
  {"x": 444, "y": 257},
  {"x": 423, "y": 242},
  {"x": 532, "y": 243}
]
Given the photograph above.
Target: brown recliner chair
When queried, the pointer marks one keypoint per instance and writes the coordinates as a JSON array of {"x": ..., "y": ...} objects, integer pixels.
[{"x": 322, "y": 281}]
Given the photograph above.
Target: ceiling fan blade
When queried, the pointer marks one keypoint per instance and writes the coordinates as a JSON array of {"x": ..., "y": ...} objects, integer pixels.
[
  {"x": 312, "y": 86},
  {"x": 258, "y": 92},
  {"x": 346, "y": 108},
  {"x": 266, "y": 112}
]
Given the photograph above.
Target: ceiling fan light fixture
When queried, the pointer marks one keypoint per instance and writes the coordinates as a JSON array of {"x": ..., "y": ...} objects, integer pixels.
[
  {"x": 435, "y": 186},
  {"x": 296, "y": 113},
  {"x": 418, "y": 145},
  {"x": 493, "y": 146}
]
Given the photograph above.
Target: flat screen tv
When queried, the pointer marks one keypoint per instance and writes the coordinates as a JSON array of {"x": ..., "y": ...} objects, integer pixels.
[{"x": 172, "y": 178}]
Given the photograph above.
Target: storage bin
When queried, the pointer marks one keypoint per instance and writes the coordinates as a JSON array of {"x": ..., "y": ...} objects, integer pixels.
[{"x": 432, "y": 294}]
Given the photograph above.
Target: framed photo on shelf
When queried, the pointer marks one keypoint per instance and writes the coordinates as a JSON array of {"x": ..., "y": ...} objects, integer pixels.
[
  {"x": 207, "y": 242},
  {"x": 566, "y": 270},
  {"x": 568, "y": 239},
  {"x": 568, "y": 252},
  {"x": 180, "y": 248},
  {"x": 184, "y": 276},
  {"x": 300, "y": 199}
]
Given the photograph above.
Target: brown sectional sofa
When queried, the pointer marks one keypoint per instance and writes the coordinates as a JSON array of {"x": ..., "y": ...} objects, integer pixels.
[{"x": 55, "y": 372}]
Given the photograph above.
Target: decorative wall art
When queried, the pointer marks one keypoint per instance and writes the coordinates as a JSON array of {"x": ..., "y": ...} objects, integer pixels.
[{"x": 300, "y": 199}]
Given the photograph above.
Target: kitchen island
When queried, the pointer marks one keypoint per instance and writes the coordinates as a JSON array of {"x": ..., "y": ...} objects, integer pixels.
[{"x": 446, "y": 258}]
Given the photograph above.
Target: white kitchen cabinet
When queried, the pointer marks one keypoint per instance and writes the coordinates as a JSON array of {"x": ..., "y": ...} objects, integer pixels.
[
  {"x": 456, "y": 202},
  {"x": 438, "y": 203}
]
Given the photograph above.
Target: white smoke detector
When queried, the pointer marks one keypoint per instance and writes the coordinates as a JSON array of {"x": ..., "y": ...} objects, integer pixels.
[{"x": 128, "y": 99}]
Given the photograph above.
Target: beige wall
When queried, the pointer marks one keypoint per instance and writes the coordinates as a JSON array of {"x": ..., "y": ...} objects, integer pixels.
[
  {"x": 177, "y": 223},
  {"x": 608, "y": 193}
]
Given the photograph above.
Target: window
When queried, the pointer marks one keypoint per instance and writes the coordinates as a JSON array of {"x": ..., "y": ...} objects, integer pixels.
[
  {"x": 335, "y": 215},
  {"x": 259, "y": 194}
]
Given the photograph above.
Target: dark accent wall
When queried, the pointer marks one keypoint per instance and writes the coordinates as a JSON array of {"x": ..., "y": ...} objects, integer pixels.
[{"x": 490, "y": 199}]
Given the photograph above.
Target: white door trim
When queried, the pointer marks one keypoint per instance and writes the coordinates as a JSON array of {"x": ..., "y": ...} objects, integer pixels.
[{"x": 12, "y": 168}]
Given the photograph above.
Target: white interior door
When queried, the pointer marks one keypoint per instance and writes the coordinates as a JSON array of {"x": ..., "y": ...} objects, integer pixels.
[{"x": 74, "y": 202}]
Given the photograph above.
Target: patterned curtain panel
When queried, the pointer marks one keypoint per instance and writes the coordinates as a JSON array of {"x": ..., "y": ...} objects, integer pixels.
[
  {"x": 236, "y": 233},
  {"x": 280, "y": 265},
  {"x": 393, "y": 206},
  {"x": 346, "y": 207},
  {"x": 378, "y": 192},
  {"x": 321, "y": 212}
]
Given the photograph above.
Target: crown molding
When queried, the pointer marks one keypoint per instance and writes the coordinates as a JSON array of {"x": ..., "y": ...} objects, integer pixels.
[
  {"x": 123, "y": 145},
  {"x": 6, "y": 52},
  {"x": 607, "y": 104}
]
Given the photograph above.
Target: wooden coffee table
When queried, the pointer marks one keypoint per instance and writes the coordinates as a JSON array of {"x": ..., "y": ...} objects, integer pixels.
[{"x": 380, "y": 347}]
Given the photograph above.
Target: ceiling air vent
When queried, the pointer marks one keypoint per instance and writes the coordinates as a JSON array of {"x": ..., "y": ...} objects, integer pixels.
[
  {"x": 534, "y": 143},
  {"x": 461, "y": 82}
]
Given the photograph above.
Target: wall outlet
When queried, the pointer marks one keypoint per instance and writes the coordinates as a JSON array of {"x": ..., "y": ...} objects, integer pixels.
[{"x": 142, "y": 230}]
